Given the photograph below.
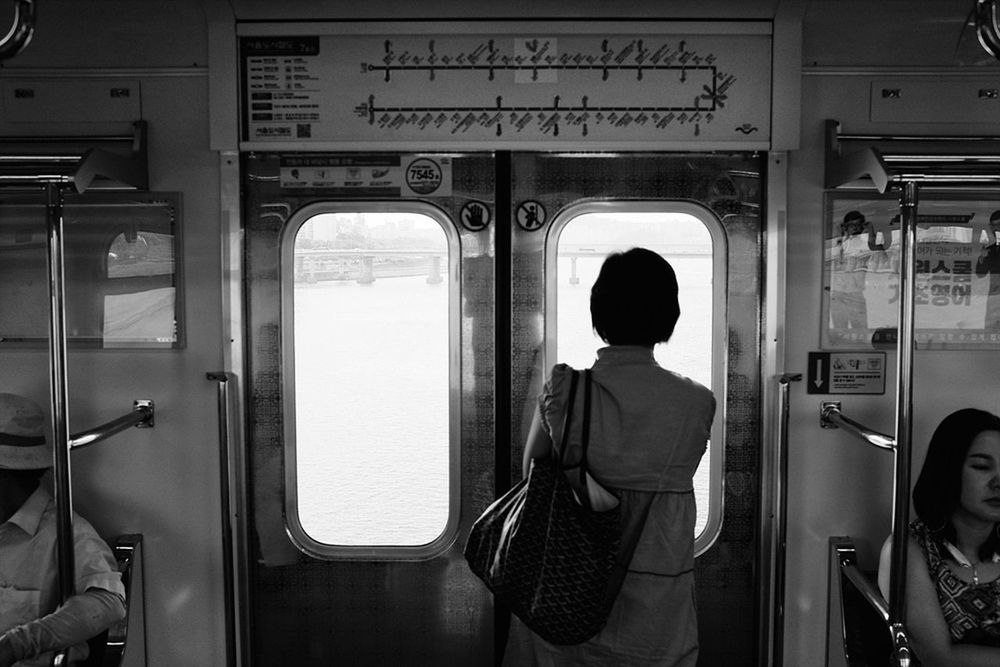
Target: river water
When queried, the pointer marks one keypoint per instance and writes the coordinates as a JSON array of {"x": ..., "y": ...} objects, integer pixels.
[{"x": 371, "y": 383}]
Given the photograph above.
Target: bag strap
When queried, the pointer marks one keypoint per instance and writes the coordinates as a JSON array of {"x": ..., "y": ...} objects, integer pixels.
[
  {"x": 585, "y": 439},
  {"x": 567, "y": 420}
]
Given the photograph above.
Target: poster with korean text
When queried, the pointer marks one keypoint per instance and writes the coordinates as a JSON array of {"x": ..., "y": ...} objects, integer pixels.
[{"x": 957, "y": 271}]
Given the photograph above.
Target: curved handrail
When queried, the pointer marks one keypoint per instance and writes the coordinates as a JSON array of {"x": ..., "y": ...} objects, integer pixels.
[
  {"x": 831, "y": 417},
  {"x": 845, "y": 555},
  {"x": 871, "y": 594},
  {"x": 20, "y": 31},
  {"x": 140, "y": 417}
]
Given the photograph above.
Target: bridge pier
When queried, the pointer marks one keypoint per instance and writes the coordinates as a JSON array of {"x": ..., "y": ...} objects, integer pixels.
[
  {"x": 367, "y": 276},
  {"x": 305, "y": 268},
  {"x": 434, "y": 271},
  {"x": 573, "y": 278}
]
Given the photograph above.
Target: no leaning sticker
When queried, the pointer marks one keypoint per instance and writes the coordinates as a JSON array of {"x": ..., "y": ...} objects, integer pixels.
[{"x": 530, "y": 215}]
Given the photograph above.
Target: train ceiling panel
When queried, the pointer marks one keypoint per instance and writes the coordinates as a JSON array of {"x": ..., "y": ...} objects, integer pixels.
[
  {"x": 953, "y": 101},
  {"x": 93, "y": 100}
]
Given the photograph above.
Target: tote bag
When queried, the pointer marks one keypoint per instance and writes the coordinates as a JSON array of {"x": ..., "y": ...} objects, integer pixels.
[{"x": 545, "y": 553}]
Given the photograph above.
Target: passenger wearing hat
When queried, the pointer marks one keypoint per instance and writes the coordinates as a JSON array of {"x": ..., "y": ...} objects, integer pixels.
[{"x": 32, "y": 624}]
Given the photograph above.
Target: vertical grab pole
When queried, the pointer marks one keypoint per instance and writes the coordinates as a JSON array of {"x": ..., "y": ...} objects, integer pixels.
[
  {"x": 59, "y": 393},
  {"x": 904, "y": 408},
  {"x": 229, "y": 565},
  {"x": 780, "y": 530}
]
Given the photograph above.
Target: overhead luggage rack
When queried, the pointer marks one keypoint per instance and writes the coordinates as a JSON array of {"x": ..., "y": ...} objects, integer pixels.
[
  {"x": 887, "y": 162},
  {"x": 104, "y": 162}
]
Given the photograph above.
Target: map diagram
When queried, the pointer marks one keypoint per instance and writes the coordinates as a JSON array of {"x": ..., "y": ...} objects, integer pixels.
[
  {"x": 488, "y": 89},
  {"x": 696, "y": 88}
]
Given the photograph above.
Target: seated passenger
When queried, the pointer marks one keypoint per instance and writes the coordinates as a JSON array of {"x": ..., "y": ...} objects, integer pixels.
[
  {"x": 953, "y": 564},
  {"x": 32, "y": 623}
]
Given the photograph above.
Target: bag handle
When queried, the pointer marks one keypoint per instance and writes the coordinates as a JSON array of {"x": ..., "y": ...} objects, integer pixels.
[
  {"x": 584, "y": 494},
  {"x": 567, "y": 420},
  {"x": 585, "y": 438}
]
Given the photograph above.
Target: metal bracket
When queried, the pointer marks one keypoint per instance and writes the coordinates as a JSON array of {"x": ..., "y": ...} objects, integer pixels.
[
  {"x": 824, "y": 410},
  {"x": 144, "y": 405}
]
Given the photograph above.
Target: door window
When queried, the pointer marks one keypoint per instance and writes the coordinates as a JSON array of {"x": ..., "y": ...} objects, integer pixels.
[
  {"x": 691, "y": 239},
  {"x": 370, "y": 451}
]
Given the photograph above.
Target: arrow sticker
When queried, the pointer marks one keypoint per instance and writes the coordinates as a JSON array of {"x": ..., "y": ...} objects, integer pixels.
[{"x": 846, "y": 373}]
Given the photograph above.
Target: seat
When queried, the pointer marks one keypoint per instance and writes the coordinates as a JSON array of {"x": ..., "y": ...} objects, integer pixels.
[
  {"x": 863, "y": 614},
  {"x": 124, "y": 644}
]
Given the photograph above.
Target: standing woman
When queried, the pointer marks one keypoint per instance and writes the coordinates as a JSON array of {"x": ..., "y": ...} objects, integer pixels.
[
  {"x": 649, "y": 429},
  {"x": 953, "y": 565}
]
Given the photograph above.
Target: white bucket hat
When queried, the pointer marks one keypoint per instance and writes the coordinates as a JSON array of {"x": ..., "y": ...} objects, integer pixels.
[{"x": 22, "y": 434}]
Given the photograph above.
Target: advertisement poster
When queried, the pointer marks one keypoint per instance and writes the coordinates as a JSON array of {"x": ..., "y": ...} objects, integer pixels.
[{"x": 957, "y": 271}]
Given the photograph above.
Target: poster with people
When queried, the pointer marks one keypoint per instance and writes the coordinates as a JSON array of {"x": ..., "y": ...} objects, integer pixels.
[{"x": 956, "y": 273}]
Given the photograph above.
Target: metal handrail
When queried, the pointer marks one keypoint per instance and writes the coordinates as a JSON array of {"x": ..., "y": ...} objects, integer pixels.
[
  {"x": 846, "y": 560},
  {"x": 831, "y": 417},
  {"x": 900, "y": 445},
  {"x": 142, "y": 416},
  {"x": 869, "y": 592},
  {"x": 976, "y": 170},
  {"x": 904, "y": 408},
  {"x": 232, "y": 542},
  {"x": 901, "y": 652},
  {"x": 62, "y": 442},
  {"x": 59, "y": 393},
  {"x": 779, "y": 522}
]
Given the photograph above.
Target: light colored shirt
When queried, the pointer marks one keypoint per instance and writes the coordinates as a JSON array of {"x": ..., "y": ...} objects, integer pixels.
[
  {"x": 29, "y": 586},
  {"x": 649, "y": 428}
]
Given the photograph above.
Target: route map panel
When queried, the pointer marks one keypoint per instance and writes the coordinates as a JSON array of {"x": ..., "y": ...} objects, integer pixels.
[{"x": 607, "y": 89}]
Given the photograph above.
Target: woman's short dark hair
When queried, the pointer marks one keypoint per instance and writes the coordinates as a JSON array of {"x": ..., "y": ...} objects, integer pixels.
[
  {"x": 938, "y": 490},
  {"x": 634, "y": 299}
]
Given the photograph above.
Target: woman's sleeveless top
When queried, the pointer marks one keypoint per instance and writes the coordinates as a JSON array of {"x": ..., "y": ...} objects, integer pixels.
[
  {"x": 649, "y": 430},
  {"x": 972, "y": 612}
]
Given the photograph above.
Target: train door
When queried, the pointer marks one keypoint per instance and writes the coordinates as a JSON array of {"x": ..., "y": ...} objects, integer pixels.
[{"x": 402, "y": 311}]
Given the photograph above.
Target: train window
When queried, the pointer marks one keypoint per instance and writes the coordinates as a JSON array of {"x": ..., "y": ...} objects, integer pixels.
[
  {"x": 371, "y": 424},
  {"x": 122, "y": 277},
  {"x": 692, "y": 240}
]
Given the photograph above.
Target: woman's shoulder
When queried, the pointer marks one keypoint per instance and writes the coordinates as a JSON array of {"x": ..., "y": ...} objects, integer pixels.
[
  {"x": 926, "y": 540},
  {"x": 560, "y": 375},
  {"x": 694, "y": 390},
  {"x": 557, "y": 385}
]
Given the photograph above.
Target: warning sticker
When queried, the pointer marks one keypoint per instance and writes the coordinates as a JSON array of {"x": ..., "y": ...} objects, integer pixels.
[{"x": 846, "y": 373}]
